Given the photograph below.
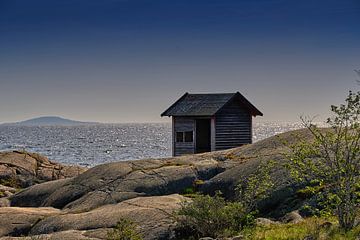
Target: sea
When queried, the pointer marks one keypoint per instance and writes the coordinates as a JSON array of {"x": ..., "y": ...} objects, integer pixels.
[{"x": 90, "y": 145}]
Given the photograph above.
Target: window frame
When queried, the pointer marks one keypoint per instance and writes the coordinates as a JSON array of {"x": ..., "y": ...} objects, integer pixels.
[
  {"x": 182, "y": 136},
  {"x": 189, "y": 134},
  {"x": 179, "y": 137}
]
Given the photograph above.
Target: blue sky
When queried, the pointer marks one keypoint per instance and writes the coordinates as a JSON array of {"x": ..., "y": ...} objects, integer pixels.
[{"x": 127, "y": 60}]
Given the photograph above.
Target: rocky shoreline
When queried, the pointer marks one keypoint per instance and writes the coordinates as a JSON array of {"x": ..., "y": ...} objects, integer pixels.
[{"x": 70, "y": 202}]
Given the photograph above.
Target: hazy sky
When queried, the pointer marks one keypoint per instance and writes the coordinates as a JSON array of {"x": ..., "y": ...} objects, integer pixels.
[{"x": 127, "y": 61}]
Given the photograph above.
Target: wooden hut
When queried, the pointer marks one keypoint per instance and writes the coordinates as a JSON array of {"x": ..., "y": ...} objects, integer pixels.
[{"x": 209, "y": 122}]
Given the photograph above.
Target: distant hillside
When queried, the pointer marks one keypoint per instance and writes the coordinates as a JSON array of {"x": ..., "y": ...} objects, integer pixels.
[{"x": 48, "y": 121}]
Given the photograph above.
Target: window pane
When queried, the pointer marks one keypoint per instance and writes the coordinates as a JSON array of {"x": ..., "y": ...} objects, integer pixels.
[
  {"x": 179, "y": 136},
  {"x": 189, "y": 136}
]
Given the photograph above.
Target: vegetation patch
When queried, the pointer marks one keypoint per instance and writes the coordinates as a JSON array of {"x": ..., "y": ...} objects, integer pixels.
[
  {"x": 312, "y": 228},
  {"x": 332, "y": 162},
  {"x": 10, "y": 182},
  {"x": 125, "y": 229},
  {"x": 193, "y": 191},
  {"x": 207, "y": 216}
]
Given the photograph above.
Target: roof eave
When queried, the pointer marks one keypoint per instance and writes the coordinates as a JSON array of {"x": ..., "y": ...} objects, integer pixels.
[
  {"x": 191, "y": 115},
  {"x": 168, "y": 109},
  {"x": 254, "y": 111}
]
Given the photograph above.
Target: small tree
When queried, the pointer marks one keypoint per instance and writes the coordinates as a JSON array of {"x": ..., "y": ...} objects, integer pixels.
[
  {"x": 333, "y": 159},
  {"x": 256, "y": 187}
]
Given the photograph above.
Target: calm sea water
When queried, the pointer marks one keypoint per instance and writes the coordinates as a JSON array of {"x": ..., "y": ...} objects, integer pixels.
[{"x": 95, "y": 144}]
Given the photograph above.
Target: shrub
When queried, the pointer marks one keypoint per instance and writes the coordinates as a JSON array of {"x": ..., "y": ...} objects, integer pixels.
[
  {"x": 215, "y": 217},
  {"x": 208, "y": 216},
  {"x": 333, "y": 160},
  {"x": 125, "y": 229},
  {"x": 256, "y": 187}
]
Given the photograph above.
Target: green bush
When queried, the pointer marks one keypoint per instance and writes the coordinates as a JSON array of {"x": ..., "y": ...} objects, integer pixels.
[
  {"x": 207, "y": 216},
  {"x": 332, "y": 160},
  {"x": 215, "y": 217},
  {"x": 256, "y": 187},
  {"x": 125, "y": 229}
]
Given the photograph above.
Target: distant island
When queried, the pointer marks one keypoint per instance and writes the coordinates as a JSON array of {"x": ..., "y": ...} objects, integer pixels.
[{"x": 48, "y": 121}]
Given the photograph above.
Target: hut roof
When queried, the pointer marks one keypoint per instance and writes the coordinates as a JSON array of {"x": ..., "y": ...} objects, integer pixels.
[{"x": 206, "y": 104}]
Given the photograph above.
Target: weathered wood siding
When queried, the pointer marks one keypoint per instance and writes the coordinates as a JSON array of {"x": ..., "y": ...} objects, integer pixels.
[
  {"x": 213, "y": 136},
  {"x": 182, "y": 124},
  {"x": 233, "y": 126}
]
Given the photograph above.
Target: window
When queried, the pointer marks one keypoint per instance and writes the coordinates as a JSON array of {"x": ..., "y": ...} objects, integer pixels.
[
  {"x": 179, "y": 136},
  {"x": 184, "y": 136},
  {"x": 189, "y": 136}
]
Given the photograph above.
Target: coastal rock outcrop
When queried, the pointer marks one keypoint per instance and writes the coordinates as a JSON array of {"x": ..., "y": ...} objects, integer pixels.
[
  {"x": 18, "y": 221},
  {"x": 23, "y": 169},
  {"x": 5, "y": 193},
  {"x": 115, "y": 182},
  {"x": 146, "y": 191},
  {"x": 154, "y": 215}
]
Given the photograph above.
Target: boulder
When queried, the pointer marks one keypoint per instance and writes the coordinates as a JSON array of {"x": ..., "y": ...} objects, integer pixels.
[
  {"x": 23, "y": 169},
  {"x": 6, "y": 191},
  {"x": 292, "y": 217},
  {"x": 264, "y": 222},
  {"x": 4, "y": 202}
]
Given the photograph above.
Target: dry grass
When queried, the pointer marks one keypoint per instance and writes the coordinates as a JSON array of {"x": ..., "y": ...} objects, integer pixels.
[{"x": 311, "y": 228}]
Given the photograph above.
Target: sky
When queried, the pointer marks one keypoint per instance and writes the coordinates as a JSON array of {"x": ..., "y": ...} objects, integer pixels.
[{"x": 128, "y": 60}]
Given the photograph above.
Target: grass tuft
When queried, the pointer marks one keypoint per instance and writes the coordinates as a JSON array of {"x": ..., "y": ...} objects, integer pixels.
[{"x": 312, "y": 228}]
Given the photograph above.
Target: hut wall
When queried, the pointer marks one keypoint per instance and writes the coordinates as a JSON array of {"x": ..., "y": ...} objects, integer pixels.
[
  {"x": 232, "y": 126},
  {"x": 213, "y": 136},
  {"x": 182, "y": 124}
]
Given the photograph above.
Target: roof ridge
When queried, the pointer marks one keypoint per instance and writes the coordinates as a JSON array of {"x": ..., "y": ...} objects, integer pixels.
[
  {"x": 205, "y": 104},
  {"x": 212, "y": 93}
]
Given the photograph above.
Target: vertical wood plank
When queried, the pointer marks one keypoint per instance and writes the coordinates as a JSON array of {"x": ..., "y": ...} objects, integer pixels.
[
  {"x": 173, "y": 135},
  {"x": 213, "y": 134}
]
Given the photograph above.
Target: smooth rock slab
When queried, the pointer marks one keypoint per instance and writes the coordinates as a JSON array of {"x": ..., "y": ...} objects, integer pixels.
[
  {"x": 152, "y": 214},
  {"x": 115, "y": 182},
  {"x": 18, "y": 221},
  {"x": 65, "y": 235}
]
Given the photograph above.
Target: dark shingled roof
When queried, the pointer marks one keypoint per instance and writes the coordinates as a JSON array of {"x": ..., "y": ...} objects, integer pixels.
[{"x": 206, "y": 104}]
